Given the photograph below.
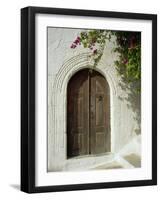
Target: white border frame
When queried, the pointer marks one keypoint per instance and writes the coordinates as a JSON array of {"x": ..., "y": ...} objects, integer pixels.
[{"x": 61, "y": 178}]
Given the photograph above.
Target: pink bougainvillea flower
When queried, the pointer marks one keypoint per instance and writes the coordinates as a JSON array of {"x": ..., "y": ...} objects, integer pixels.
[
  {"x": 77, "y": 41},
  {"x": 95, "y": 51},
  {"x": 125, "y": 61},
  {"x": 78, "y": 38},
  {"x": 73, "y": 46}
]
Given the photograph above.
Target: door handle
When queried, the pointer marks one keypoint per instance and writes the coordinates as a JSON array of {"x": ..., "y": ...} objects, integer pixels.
[{"x": 100, "y": 98}]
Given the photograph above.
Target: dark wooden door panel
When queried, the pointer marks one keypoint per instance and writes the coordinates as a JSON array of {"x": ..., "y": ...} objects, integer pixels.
[
  {"x": 78, "y": 115},
  {"x": 100, "y": 115},
  {"x": 88, "y": 114}
]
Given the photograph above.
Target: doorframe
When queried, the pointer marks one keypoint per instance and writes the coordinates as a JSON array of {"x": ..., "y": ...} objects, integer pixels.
[{"x": 57, "y": 136}]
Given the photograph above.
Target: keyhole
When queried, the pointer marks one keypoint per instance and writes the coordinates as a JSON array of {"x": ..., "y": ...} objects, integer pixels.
[{"x": 100, "y": 98}]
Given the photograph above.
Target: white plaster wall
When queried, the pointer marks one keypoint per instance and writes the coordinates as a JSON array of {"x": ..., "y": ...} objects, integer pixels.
[{"x": 63, "y": 62}]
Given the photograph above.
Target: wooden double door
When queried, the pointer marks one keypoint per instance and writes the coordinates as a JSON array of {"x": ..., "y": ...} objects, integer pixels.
[{"x": 88, "y": 114}]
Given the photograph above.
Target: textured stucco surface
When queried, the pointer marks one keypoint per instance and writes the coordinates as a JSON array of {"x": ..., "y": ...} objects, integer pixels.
[{"x": 63, "y": 62}]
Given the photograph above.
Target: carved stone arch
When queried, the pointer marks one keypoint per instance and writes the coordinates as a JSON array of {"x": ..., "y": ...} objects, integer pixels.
[{"x": 57, "y": 136}]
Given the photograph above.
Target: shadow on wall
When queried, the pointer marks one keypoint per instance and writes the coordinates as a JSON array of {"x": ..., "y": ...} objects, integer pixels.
[{"x": 133, "y": 100}]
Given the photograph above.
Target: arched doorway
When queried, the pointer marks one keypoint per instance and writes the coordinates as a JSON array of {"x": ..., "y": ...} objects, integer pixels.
[{"x": 88, "y": 114}]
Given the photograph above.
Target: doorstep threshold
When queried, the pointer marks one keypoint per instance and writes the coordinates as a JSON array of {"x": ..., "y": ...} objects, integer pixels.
[{"x": 89, "y": 156}]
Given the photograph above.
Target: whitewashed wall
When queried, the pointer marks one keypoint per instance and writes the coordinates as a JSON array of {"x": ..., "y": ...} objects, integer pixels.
[{"x": 63, "y": 62}]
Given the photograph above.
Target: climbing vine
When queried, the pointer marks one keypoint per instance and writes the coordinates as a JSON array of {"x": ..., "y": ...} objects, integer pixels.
[{"x": 128, "y": 48}]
